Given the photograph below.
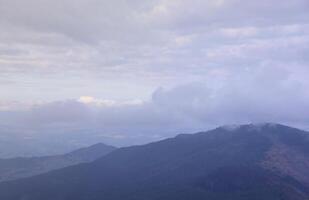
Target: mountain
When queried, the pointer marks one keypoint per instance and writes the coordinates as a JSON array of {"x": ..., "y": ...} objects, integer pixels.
[
  {"x": 16, "y": 168},
  {"x": 255, "y": 161},
  {"x": 35, "y": 144}
]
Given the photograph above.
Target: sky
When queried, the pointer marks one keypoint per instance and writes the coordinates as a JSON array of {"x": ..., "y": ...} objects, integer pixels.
[{"x": 129, "y": 72}]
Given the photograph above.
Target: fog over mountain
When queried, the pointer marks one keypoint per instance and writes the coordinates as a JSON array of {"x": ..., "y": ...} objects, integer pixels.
[
  {"x": 77, "y": 72},
  {"x": 185, "y": 108},
  {"x": 141, "y": 76},
  {"x": 130, "y": 72}
]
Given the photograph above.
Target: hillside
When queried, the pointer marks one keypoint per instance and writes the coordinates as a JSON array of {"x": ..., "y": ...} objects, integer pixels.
[
  {"x": 255, "y": 161},
  {"x": 15, "y": 168}
]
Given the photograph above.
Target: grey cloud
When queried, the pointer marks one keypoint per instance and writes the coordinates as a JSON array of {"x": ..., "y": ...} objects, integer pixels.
[
  {"x": 120, "y": 38},
  {"x": 88, "y": 22},
  {"x": 60, "y": 112},
  {"x": 260, "y": 95},
  {"x": 194, "y": 15},
  {"x": 123, "y": 20},
  {"x": 217, "y": 62}
]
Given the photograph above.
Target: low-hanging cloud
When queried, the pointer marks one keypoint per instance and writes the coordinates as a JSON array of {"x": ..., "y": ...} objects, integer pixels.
[
  {"x": 127, "y": 72},
  {"x": 259, "y": 95}
]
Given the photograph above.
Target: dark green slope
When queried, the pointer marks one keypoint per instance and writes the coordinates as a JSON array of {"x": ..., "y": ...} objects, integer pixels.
[
  {"x": 16, "y": 168},
  {"x": 225, "y": 163}
]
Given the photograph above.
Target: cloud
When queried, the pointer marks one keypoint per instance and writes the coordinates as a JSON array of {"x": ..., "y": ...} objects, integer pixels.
[
  {"x": 134, "y": 71},
  {"x": 193, "y": 15},
  {"x": 257, "y": 95},
  {"x": 81, "y": 20},
  {"x": 92, "y": 101}
]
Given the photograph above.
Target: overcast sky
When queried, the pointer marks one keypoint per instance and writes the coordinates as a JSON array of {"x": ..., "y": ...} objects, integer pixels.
[{"x": 135, "y": 70}]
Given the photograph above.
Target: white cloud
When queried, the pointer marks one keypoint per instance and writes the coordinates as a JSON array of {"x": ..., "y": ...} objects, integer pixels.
[{"x": 107, "y": 103}]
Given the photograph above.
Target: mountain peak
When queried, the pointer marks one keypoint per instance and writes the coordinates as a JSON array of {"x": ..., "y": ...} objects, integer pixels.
[
  {"x": 101, "y": 145},
  {"x": 256, "y": 161},
  {"x": 255, "y": 126}
]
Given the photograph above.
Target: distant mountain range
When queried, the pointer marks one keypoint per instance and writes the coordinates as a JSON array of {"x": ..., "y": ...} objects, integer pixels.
[
  {"x": 16, "y": 168},
  {"x": 247, "y": 162}
]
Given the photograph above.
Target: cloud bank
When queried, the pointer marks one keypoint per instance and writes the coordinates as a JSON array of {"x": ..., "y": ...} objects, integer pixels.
[
  {"x": 136, "y": 71},
  {"x": 55, "y": 50},
  {"x": 258, "y": 95}
]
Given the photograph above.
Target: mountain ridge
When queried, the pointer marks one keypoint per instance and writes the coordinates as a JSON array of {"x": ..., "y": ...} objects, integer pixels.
[
  {"x": 22, "y": 167},
  {"x": 217, "y": 164}
]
